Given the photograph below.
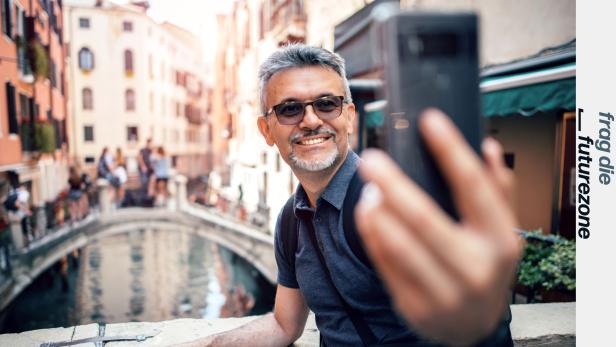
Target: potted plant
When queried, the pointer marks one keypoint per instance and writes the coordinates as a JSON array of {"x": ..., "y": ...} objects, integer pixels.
[
  {"x": 39, "y": 60},
  {"x": 529, "y": 275},
  {"x": 44, "y": 137},
  {"x": 558, "y": 271},
  {"x": 547, "y": 268}
]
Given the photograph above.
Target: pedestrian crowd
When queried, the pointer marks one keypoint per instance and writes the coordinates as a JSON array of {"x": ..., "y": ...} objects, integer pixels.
[{"x": 154, "y": 168}]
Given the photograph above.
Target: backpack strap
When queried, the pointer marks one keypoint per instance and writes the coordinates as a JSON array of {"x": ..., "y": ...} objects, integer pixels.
[
  {"x": 289, "y": 229},
  {"x": 348, "y": 219}
]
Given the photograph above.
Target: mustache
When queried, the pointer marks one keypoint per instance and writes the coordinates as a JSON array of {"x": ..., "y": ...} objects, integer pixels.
[{"x": 323, "y": 131}]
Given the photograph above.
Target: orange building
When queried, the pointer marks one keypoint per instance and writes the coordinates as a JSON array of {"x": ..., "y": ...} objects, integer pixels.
[{"x": 32, "y": 96}]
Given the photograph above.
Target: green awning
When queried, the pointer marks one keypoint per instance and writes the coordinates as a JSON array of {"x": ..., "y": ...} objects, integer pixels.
[
  {"x": 526, "y": 100},
  {"x": 374, "y": 119}
]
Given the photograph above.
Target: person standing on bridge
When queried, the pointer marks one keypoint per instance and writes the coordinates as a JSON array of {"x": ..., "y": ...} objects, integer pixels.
[
  {"x": 146, "y": 170},
  {"x": 441, "y": 286}
]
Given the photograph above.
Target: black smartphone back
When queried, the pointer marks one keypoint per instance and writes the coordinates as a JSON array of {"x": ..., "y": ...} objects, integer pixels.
[{"x": 429, "y": 60}]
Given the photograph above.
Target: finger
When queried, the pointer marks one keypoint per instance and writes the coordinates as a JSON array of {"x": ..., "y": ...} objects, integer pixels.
[
  {"x": 407, "y": 296},
  {"x": 403, "y": 196},
  {"x": 402, "y": 257},
  {"x": 423, "y": 303},
  {"x": 465, "y": 256},
  {"x": 393, "y": 282},
  {"x": 476, "y": 198},
  {"x": 502, "y": 176}
]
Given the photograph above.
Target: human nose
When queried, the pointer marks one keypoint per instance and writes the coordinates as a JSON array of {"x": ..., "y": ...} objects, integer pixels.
[{"x": 310, "y": 120}]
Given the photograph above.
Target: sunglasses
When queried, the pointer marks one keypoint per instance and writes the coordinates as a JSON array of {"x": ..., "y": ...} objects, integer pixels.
[{"x": 292, "y": 112}]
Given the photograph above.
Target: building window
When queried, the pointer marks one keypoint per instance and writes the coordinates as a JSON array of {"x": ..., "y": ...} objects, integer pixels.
[
  {"x": 262, "y": 20},
  {"x": 11, "y": 108},
  {"x": 62, "y": 83},
  {"x": 128, "y": 62},
  {"x": 277, "y": 162},
  {"x": 127, "y": 26},
  {"x": 7, "y": 18},
  {"x": 23, "y": 60},
  {"x": 24, "y": 105},
  {"x": 132, "y": 134},
  {"x": 86, "y": 98},
  {"x": 130, "y": 99},
  {"x": 86, "y": 59},
  {"x": 90, "y": 160},
  {"x": 88, "y": 133},
  {"x": 53, "y": 73},
  {"x": 150, "y": 67},
  {"x": 84, "y": 23}
]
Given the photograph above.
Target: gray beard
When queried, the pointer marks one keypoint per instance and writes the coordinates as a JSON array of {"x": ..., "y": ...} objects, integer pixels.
[{"x": 315, "y": 165}]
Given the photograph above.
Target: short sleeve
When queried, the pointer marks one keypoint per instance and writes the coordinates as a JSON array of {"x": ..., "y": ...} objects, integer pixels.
[{"x": 286, "y": 271}]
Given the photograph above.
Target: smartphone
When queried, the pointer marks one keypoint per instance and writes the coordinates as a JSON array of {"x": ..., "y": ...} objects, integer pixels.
[{"x": 428, "y": 60}]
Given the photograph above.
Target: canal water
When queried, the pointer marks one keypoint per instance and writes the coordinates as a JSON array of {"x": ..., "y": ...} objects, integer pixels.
[{"x": 143, "y": 275}]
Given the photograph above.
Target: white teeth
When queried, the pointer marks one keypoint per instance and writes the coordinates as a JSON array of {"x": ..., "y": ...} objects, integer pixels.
[{"x": 313, "y": 141}]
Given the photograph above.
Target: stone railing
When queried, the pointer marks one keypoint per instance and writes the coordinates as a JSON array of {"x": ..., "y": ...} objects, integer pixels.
[{"x": 545, "y": 325}]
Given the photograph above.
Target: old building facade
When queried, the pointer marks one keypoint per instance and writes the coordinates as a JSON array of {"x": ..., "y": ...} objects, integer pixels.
[
  {"x": 132, "y": 79},
  {"x": 33, "y": 117}
]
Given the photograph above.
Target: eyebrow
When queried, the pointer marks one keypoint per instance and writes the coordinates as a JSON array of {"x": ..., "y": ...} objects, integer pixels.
[{"x": 296, "y": 99}]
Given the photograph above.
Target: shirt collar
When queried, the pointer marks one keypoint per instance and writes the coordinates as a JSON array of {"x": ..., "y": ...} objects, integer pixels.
[{"x": 335, "y": 191}]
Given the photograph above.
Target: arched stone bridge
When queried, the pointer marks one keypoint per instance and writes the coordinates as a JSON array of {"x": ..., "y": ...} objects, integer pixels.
[{"x": 252, "y": 244}]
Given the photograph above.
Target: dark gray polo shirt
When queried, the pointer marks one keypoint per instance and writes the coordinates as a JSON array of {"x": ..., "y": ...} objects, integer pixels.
[{"x": 358, "y": 284}]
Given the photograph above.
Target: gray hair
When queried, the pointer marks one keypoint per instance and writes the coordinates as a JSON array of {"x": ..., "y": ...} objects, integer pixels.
[{"x": 300, "y": 55}]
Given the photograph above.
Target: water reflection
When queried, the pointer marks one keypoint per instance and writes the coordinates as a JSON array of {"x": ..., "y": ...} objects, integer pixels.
[{"x": 142, "y": 275}]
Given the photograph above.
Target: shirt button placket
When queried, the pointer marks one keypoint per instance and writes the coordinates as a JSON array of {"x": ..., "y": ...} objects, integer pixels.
[{"x": 317, "y": 221}]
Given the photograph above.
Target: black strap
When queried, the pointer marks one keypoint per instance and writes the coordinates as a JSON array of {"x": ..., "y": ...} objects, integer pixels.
[
  {"x": 289, "y": 230},
  {"x": 362, "y": 328},
  {"x": 353, "y": 194}
]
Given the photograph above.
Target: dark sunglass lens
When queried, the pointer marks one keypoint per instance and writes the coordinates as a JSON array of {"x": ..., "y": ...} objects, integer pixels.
[
  {"x": 327, "y": 105},
  {"x": 289, "y": 109}
]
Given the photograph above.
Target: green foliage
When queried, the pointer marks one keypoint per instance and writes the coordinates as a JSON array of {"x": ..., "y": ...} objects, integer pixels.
[
  {"x": 27, "y": 137},
  {"x": 44, "y": 137},
  {"x": 548, "y": 262},
  {"x": 559, "y": 267},
  {"x": 20, "y": 41},
  {"x": 40, "y": 60}
]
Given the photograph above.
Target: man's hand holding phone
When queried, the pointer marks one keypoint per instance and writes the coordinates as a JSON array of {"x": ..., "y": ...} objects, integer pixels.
[{"x": 448, "y": 279}]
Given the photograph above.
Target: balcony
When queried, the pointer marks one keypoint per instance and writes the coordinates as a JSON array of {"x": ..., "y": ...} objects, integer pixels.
[
  {"x": 288, "y": 22},
  {"x": 193, "y": 114}
]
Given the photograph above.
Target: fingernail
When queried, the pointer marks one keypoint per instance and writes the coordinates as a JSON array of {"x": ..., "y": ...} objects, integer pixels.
[
  {"x": 371, "y": 196},
  {"x": 369, "y": 163},
  {"x": 370, "y": 155},
  {"x": 435, "y": 121},
  {"x": 490, "y": 145}
]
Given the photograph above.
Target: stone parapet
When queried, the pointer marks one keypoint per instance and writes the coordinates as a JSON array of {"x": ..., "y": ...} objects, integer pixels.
[{"x": 545, "y": 325}]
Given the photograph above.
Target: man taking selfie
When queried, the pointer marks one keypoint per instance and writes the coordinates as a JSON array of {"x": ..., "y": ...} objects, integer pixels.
[{"x": 428, "y": 280}]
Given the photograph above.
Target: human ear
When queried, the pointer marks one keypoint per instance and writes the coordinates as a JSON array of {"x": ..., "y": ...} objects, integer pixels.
[
  {"x": 350, "y": 118},
  {"x": 265, "y": 130}
]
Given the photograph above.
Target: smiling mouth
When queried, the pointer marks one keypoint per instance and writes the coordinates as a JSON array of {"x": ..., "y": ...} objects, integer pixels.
[{"x": 313, "y": 141}]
